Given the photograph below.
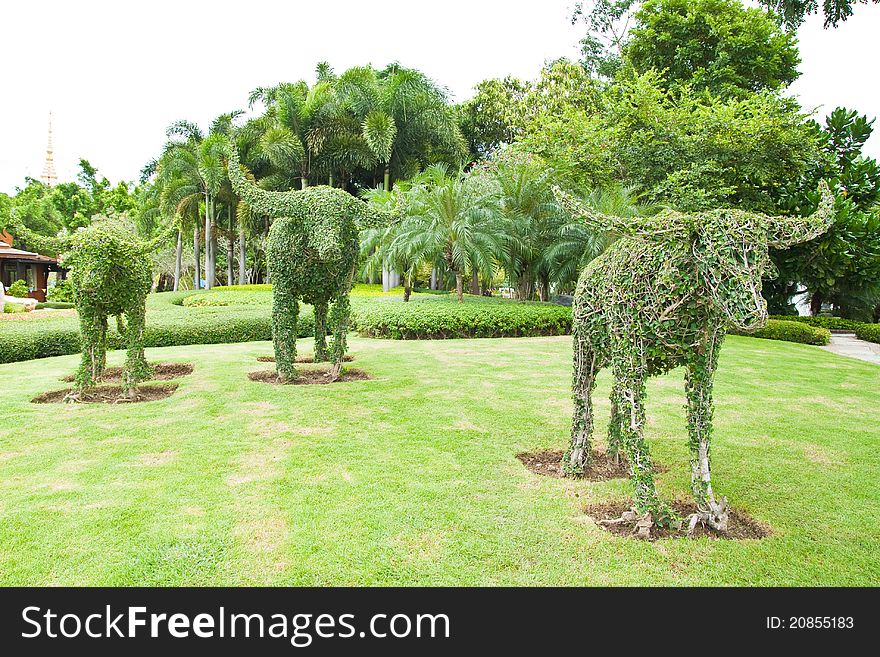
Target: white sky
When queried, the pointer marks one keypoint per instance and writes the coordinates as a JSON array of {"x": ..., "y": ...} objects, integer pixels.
[{"x": 115, "y": 74}]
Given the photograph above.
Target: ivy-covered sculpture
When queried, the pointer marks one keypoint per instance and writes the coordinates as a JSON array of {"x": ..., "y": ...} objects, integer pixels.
[
  {"x": 110, "y": 274},
  {"x": 312, "y": 251},
  {"x": 663, "y": 296}
]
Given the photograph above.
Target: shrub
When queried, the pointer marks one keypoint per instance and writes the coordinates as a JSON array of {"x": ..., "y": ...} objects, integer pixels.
[
  {"x": 13, "y": 308},
  {"x": 18, "y": 289},
  {"x": 778, "y": 329},
  {"x": 869, "y": 332},
  {"x": 436, "y": 318},
  {"x": 61, "y": 292},
  {"x": 202, "y": 300},
  {"x": 823, "y": 321},
  {"x": 55, "y": 305}
]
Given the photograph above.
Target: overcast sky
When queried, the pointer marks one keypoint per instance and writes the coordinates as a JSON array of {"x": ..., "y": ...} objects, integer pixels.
[{"x": 115, "y": 74}]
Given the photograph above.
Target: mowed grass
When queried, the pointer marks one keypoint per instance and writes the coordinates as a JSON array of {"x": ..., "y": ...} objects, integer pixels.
[{"x": 411, "y": 478}]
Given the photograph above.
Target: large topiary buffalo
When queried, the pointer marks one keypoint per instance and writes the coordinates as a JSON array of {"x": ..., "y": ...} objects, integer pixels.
[{"x": 660, "y": 297}]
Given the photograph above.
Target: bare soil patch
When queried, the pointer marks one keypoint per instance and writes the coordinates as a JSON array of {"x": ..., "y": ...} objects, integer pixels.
[
  {"x": 301, "y": 359},
  {"x": 161, "y": 372},
  {"x": 741, "y": 525},
  {"x": 308, "y": 377},
  {"x": 108, "y": 395},
  {"x": 549, "y": 464}
]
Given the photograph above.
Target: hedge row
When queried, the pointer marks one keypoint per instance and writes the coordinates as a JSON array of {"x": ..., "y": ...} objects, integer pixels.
[
  {"x": 799, "y": 332},
  {"x": 168, "y": 324},
  {"x": 823, "y": 321},
  {"x": 869, "y": 332},
  {"x": 424, "y": 319},
  {"x": 182, "y": 318}
]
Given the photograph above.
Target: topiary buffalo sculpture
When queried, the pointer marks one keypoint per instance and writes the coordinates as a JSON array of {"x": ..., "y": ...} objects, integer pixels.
[
  {"x": 663, "y": 296},
  {"x": 312, "y": 250}
]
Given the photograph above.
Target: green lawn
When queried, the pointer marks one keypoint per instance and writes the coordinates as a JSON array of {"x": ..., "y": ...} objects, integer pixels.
[{"x": 411, "y": 478}]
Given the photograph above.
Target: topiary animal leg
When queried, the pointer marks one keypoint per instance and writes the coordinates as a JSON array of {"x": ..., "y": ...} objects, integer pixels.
[
  {"x": 579, "y": 452},
  {"x": 285, "y": 313},
  {"x": 101, "y": 351},
  {"x": 321, "y": 332},
  {"x": 698, "y": 386},
  {"x": 615, "y": 423},
  {"x": 90, "y": 322},
  {"x": 339, "y": 317},
  {"x": 136, "y": 367},
  {"x": 630, "y": 375}
]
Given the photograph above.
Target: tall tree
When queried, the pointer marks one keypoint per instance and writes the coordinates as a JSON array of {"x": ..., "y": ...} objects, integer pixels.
[
  {"x": 842, "y": 266},
  {"x": 198, "y": 160},
  {"x": 792, "y": 13},
  {"x": 715, "y": 45}
]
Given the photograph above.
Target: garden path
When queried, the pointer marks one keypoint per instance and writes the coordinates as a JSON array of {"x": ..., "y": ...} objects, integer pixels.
[{"x": 847, "y": 344}]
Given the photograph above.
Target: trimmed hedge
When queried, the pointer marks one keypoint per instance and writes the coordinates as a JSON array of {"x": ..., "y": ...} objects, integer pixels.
[
  {"x": 869, "y": 332},
  {"x": 438, "y": 318},
  {"x": 823, "y": 321},
  {"x": 799, "y": 332},
  {"x": 9, "y": 307},
  {"x": 55, "y": 305},
  {"x": 168, "y": 324}
]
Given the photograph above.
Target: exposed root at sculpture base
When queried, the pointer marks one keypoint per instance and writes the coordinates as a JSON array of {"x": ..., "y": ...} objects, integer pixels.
[
  {"x": 621, "y": 519},
  {"x": 161, "y": 372},
  {"x": 310, "y": 376},
  {"x": 602, "y": 467},
  {"x": 300, "y": 359},
  {"x": 716, "y": 517},
  {"x": 106, "y": 395}
]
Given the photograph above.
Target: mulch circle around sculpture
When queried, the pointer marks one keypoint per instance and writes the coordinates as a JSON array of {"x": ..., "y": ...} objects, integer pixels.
[
  {"x": 301, "y": 359},
  {"x": 549, "y": 464},
  {"x": 309, "y": 377},
  {"x": 741, "y": 525},
  {"x": 107, "y": 395},
  {"x": 161, "y": 372}
]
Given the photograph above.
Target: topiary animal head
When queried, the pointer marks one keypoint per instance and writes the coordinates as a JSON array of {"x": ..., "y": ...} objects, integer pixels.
[
  {"x": 728, "y": 248},
  {"x": 731, "y": 250}
]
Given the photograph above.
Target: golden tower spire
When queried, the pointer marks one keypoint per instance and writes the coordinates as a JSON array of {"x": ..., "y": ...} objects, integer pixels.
[{"x": 49, "y": 176}]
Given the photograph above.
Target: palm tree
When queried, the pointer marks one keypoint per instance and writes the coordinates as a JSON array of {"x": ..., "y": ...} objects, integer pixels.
[
  {"x": 573, "y": 245},
  {"x": 451, "y": 217},
  {"x": 404, "y": 117},
  {"x": 381, "y": 248},
  {"x": 530, "y": 218},
  {"x": 198, "y": 163}
]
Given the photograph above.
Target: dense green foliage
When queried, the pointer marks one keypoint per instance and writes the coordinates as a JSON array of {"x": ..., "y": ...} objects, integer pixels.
[
  {"x": 718, "y": 46},
  {"x": 822, "y": 321},
  {"x": 67, "y": 206},
  {"x": 61, "y": 292},
  {"x": 686, "y": 150},
  {"x": 661, "y": 297},
  {"x": 432, "y": 317},
  {"x": 12, "y": 308},
  {"x": 841, "y": 267},
  {"x": 169, "y": 323},
  {"x": 110, "y": 274},
  {"x": 56, "y": 305},
  {"x": 777, "y": 329},
  {"x": 18, "y": 289},
  {"x": 242, "y": 314},
  {"x": 792, "y": 13},
  {"x": 869, "y": 332},
  {"x": 313, "y": 250}
]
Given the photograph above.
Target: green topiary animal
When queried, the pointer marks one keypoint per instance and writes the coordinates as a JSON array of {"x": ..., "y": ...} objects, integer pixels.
[
  {"x": 660, "y": 297},
  {"x": 110, "y": 274},
  {"x": 312, "y": 251}
]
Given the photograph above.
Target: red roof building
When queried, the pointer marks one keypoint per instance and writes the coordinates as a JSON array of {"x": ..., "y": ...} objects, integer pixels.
[{"x": 33, "y": 268}]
